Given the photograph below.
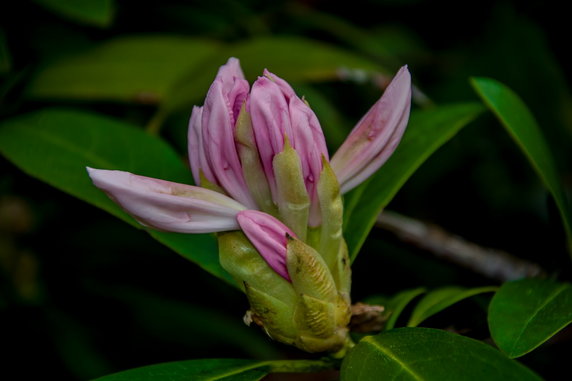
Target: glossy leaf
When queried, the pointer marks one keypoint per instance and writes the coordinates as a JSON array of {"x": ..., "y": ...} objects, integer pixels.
[
  {"x": 128, "y": 69},
  {"x": 440, "y": 299},
  {"x": 424, "y": 354},
  {"x": 215, "y": 369},
  {"x": 397, "y": 304},
  {"x": 525, "y": 313},
  {"x": 56, "y": 145},
  {"x": 93, "y": 12},
  {"x": 521, "y": 125},
  {"x": 427, "y": 131}
]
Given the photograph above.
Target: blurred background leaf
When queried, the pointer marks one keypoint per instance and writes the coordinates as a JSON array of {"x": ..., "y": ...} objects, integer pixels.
[
  {"x": 517, "y": 119},
  {"x": 438, "y": 300},
  {"x": 56, "y": 146},
  {"x": 138, "y": 69},
  {"x": 92, "y": 12}
]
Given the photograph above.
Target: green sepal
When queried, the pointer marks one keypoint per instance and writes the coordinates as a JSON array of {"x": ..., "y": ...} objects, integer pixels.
[
  {"x": 251, "y": 166},
  {"x": 343, "y": 271},
  {"x": 276, "y": 316},
  {"x": 332, "y": 210},
  {"x": 315, "y": 317},
  {"x": 205, "y": 183},
  {"x": 332, "y": 344},
  {"x": 343, "y": 312},
  {"x": 293, "y": 200},
  {"x": 308, "y": 272},
  {"x": 244, "y": 263}
]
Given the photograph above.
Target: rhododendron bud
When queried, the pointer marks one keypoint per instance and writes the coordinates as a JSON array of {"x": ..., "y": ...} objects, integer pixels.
[
  {"x": 377, "y": 134},
  {"x": 291, "y": 291},
  {"x": 268, "y": 235},
  {"x": 278, "y": 115},
  {"x": 269, "y": 190}
]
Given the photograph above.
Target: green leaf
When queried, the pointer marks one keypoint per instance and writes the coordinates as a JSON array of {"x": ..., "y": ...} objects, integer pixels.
[
  {"x": 215, "y": 369},
  {"x": 439, "y": 299},
  {"x": 521, "y": 125},
  {"x": 525, "y": 313},
  {"x": 397, "y": 304},
  {"x": 56, "y": 145},
  {"x": 427, "y": 131},
  {"x": 93, "y": 12},
  {"x": 424, "y": 354},
  {"x": 127, "y": 69}
]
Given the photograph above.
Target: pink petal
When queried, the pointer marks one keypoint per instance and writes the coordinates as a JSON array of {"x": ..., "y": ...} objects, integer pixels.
[
  {"x": 310, "y": 144},
  {"x": 168, "y": 206},
  {"x": 234, "y": 85},
  {"x": 276, "y": 112},
  {"x": 284, "y": 86},
  {"x": 377, "y": 134},
  {"x": 270, "y": 122},
  {"x": 197, "y": 157},
  {"x": 218, "y": 140},
  {"x": 268, "y": 235}
]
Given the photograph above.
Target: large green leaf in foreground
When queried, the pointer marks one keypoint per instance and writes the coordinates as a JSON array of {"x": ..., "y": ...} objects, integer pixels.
[
  {"x": 525, "y": 313},
  {"x": 56, "y": 145},
  {"x": 521, "y": 125},
  {"x": 215, "y": 369},
  {"x": 427, "y": 131},
  {"x": 424, "y": 354}
]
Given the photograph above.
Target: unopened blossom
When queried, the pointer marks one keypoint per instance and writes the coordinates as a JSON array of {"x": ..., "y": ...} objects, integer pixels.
[
  {"x": 269, "y": 236},
  {"x": 376, "y": 136},
  {"x": 267, "y": 186}
]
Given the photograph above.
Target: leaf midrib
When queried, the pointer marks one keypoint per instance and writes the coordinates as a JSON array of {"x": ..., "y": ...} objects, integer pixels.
[
  {"x": 392, "y": 356},
  {"x": 533, "y": 316}
]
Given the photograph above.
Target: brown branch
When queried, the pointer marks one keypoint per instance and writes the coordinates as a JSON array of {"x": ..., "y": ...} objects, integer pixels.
[
  {"x": 367, "y": 318},
  {"x": 493, "y": 263}
]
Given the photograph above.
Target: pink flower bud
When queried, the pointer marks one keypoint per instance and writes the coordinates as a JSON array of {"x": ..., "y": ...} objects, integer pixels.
[
  {"x": 269, "y": 237},
  {"x": 277, "y": 113},
  {"x": 168, "y": 206},
  {"x": 377, "y": 134},
  {"x": 219, "y": 114}
]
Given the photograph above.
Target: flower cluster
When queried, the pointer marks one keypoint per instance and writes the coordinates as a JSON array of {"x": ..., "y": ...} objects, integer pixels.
[{"x": 267, "y": 185}]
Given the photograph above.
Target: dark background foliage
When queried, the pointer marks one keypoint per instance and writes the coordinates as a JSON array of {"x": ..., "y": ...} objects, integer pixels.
[{"x": 82, "y": 294}]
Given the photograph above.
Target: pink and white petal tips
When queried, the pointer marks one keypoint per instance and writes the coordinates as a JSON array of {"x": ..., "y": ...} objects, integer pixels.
[
  {"x": 270, "y": 122},
  {"x": 377, "y": 134},
  {"x": 168, "y": 206},
  {"x": 234, "y": 85},
  {"x": 197, "y": 156},
  {"x": 268, "y": 235},
  {"x": 284, "y": 86},
  {"x": 310, "y": 144},
  {"x": 218, "y": 121}
]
